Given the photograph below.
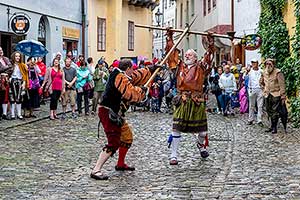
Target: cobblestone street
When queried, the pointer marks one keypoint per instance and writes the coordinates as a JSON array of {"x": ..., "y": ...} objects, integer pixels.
[{"x": 53, "y": 159}]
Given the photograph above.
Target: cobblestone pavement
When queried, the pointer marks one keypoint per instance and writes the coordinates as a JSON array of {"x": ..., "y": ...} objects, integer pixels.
[{"x": 53, "y": 159}]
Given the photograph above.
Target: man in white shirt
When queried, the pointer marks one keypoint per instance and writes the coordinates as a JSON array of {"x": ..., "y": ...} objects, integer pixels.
[
  {"x": 228, "y": 86},
  {"x": 255, "y": 93}
]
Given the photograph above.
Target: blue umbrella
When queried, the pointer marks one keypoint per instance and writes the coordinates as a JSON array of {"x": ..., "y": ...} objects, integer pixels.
[{"x": 31, "y": 48}]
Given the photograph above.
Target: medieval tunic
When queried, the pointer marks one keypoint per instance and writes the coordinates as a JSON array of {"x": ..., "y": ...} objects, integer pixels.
[
  {"x": 273, "y": 91},
  {"x": 189, "y": 114},
  {"x": 120, "y": 87}
]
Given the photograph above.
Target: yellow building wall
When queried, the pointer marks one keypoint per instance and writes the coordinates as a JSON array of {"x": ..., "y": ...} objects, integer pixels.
[
  {"x": 289, "y": 17},
  {"x": 117, "y": 14},
  {"x": 142, "y": 37}
]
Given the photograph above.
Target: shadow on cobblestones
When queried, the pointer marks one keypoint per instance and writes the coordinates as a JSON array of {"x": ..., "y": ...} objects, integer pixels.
[{"x": 53, "y": 159}]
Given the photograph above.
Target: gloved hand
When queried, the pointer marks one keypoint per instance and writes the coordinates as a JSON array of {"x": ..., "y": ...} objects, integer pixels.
[{"x": 152, "y": 68}]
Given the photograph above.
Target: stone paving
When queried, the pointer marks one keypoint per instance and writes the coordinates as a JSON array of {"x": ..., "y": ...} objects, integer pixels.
[{"x": 53, "y": 159}]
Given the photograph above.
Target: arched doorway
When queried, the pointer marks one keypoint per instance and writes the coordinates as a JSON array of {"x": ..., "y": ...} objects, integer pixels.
[{"x": 43, "y": 32}]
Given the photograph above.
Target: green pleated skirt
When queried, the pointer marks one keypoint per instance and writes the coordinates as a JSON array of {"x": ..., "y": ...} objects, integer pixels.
[{"x": 190, "y": 117}]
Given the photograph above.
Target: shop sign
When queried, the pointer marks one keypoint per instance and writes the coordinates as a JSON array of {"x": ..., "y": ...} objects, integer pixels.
[
  {"x": 70, "y": 33},
  {"x": 251, "y": 42},
  {"x": 20, "y": 24}
]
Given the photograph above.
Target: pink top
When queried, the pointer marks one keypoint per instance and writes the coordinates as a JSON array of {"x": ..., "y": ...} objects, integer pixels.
[{"x": 56, "y": 80}]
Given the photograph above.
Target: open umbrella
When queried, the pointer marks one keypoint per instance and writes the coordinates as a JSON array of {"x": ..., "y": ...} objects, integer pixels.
[{"x": 31, "y": 48}]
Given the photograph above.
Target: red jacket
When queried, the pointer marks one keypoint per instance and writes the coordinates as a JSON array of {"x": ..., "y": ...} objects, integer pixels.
[{"x": 42, "y": 67}]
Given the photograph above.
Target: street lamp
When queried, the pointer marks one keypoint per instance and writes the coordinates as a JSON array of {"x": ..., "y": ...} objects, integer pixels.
[{"x": 159, "y": 18}]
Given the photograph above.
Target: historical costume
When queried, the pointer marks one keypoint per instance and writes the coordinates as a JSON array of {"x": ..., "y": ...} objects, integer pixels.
[
  {"x": 121, "y": 86},
  {"x": 5, "y": 70},
  {"x": 19, "y": 83},
  {"x": 273, "y": 85},
  {"x": 189, "y": 115}
]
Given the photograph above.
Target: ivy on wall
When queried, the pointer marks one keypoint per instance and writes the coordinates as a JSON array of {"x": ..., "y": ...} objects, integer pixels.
[
  {"x": 293, "y": 72},
  {"x": 275, "y": 45},
  {"x": 274, "y": 32}
]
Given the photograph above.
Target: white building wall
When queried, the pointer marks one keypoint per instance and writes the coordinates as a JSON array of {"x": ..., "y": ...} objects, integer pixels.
[
  {"x": 219, "y": 15},
  {"x": 159, "y": 42},
  {"x": 246, "y": 19},
  {"x": 59, "y": 10}
]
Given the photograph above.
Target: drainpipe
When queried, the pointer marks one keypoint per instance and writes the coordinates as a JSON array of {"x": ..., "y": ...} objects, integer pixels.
[
  {"x": 232, "y": 15},
  {"x": 232, "y": 29},
  {"x": 83, "y": 15}
]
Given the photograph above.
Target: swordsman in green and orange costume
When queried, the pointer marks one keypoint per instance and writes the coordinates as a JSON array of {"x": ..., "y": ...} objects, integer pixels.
[{"x": 189, "y": 104}]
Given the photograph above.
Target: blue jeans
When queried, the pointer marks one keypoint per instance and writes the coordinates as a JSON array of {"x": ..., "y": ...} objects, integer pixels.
[{"x": 224, "y": 100}]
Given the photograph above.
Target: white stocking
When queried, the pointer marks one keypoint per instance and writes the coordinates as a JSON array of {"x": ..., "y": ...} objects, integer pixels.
[
  {"x": 175, "y": 144},
  {"x": 19, "y": 110},
  {"x": 4, "y": 108},
  {"x": 13, "y": 107},
  {"x": 201, "y": 141}
]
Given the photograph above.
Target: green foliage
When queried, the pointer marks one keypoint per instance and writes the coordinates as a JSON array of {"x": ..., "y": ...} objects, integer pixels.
[
  {"x": 295, "y": 111},
  {"x": 291, "y": 75},
  {"x": 273, "y": 31},
  {"x": 276, "y": 45}
]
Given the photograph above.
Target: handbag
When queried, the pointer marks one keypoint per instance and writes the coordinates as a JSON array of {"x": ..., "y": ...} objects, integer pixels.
[
  {"x": 115, "y": 118},
  {"x": 34, "y": 84},
  {"x": 87, "y": 86}
]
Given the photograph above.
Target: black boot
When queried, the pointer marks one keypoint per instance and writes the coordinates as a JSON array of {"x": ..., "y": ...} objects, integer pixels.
[
  {"x": 274, "y": 125},
  {"x": 269, "y": 130}
]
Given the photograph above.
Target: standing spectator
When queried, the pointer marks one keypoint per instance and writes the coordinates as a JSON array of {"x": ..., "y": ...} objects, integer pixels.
[
  {"x": 155, "y": 98},
  {"x": 255, "y": 93},
  {"x": 58, "y": 56},
  {"x": 238, "y": 64},
  {"x": 274, "y": 92},
  {"x": 5, "y": 70},
  {"x": 70, "y": 92},
  {"x": 32, "y": 100},
  {"x": 70, "y": 55},
  {"x": 18, "y": 85},
  {"x": 91, "y": 66},
  {"x": 227, "y": 84},
  {"x": 42, "y": 68},
  {"x": 80, "y": 60},
  {"x": 100, "y": 78},
  {"x": 84, "y": 78},
  {"x": 215, "y": 88},
  {"x": 54, "y": 83}
]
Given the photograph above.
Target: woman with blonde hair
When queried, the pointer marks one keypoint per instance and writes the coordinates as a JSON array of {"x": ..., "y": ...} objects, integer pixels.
[
  {"x": 19, "y": 83},
  {"x": 54, "y": 83}
]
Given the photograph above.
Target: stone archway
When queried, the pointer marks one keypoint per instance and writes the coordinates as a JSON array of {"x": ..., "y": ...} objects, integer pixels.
[{"x": 44, "y": 33}]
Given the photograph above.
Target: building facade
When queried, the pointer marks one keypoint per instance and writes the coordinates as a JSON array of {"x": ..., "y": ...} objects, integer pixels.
[
  {"x": 212, "y": 15},
  {"x": 246, "y": 21},
  {"x": 168, "y": 10},
  {"x": 57, "y": 24},
  {"x": 111, "y": 31}
]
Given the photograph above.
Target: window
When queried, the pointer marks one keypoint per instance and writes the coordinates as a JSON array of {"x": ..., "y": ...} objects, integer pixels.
[
  {"x": 101, "y": 34},
  {"x": 187, "y": 12},
  {"x": 181, "y": 15},
  {"x": 214, "y": 3},
  {"x": 42, "y": 29},
  {"x": 204, "y": 7},
  {"x": 193, "y": 7},
  {"x": 176, "y": 17},
  {"x": 130, "y": 35},
  {"x": 209, "y": 6}
]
